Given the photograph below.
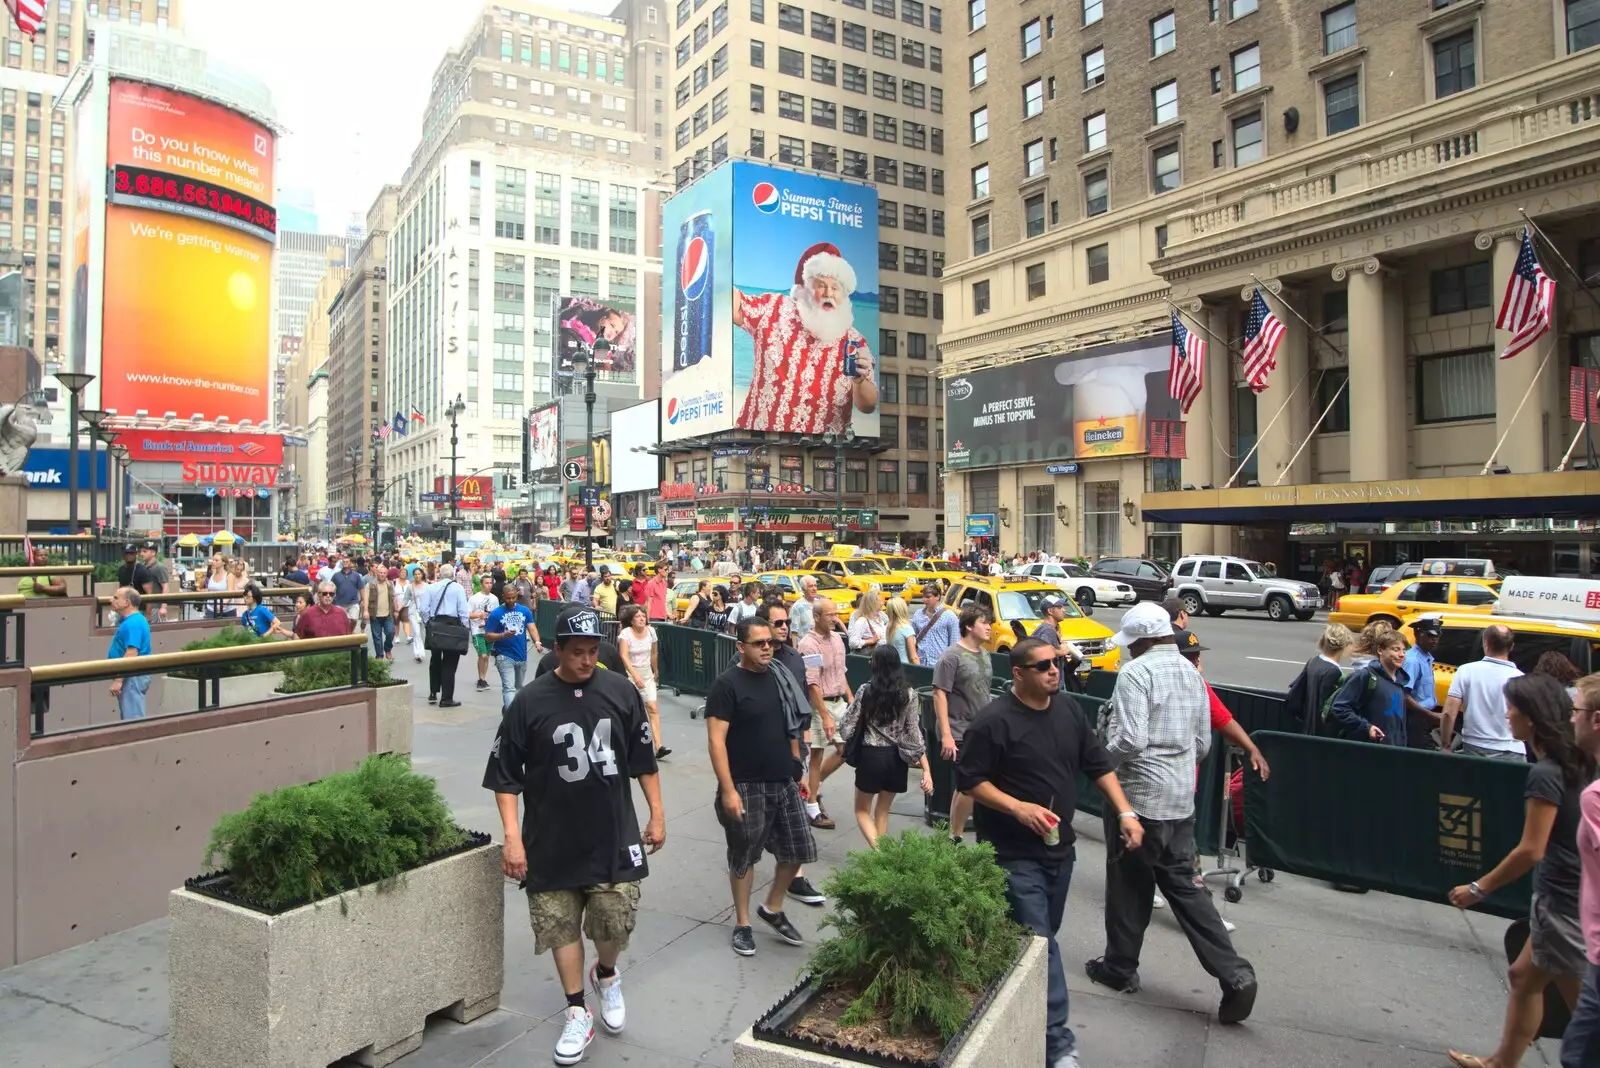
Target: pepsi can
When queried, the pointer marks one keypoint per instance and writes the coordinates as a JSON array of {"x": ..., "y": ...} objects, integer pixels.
[
  {"x": 850, "y": 347},
  {"x": 693, "y": 317}
]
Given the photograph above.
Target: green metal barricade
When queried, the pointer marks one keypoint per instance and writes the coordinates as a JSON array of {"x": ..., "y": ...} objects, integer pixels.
[
  {"x": 544, "y": 617},
  {"x": 1101, "y": 683},
  {"x": 689, "y": 658},
  {"x": 1258, "y": 709},
  {"x": 857, "y": 670},
  {"x": 1405, "y": 821}
]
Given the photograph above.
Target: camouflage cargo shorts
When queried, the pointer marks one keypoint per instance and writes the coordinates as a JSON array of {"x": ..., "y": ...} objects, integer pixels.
[{"x": 602, "y": 913}]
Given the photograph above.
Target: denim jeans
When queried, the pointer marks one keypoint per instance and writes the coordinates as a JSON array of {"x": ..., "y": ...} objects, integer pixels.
[
  {"x": 382, "y": 636},
  {"x": 512, "y": 672},
  {"x": 1580, "y": 1046},
  {"x": 1037, "y": 894},
  {"x": 131, "y": 703}
]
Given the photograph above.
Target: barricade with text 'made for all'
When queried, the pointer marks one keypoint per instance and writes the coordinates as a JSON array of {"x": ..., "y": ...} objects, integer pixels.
[{"x": 1404, "y": 821}]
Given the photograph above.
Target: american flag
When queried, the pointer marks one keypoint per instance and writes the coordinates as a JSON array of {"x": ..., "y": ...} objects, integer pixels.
[
  {"x": 27, "y": 14},
  {"x": 1188, "y": 369},
  {"x": 1530, "y": 294},
  {"x": 1584, "y": 394},
  {"x": 1262, "y": 334},
  {"x": 383, "y": 430}
]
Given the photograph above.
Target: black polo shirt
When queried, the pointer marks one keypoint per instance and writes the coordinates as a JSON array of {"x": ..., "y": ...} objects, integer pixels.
[{"x": 570, "y": 750}]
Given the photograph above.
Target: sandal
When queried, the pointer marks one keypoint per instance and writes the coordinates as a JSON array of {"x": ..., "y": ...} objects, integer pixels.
[{"x": 1467, "y": 1060}]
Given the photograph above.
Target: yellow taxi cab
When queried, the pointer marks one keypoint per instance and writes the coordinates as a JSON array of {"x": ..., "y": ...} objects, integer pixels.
[
  {"x": 1017, "y": 610},
  {"x": 680, "y": 593},
  {"x": 932, "y": 568},
  {"x": 909, "y": 577},
  {"x": 633, "y": 560},
  {"x": 788, "y": 583},
  {"x": 1424, "y": 593},
  {"x": 860, "y": 573},
  {"x": 1545, "y": 615}
]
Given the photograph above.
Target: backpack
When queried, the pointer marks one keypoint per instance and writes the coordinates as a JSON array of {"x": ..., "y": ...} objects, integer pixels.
[{"x": 1329, "y": 724}]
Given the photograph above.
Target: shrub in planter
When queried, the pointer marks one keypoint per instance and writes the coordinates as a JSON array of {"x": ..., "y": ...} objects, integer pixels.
[
  {"x": 102, "y": 572},
  {"x": 923, "y": 934},
  {"x": 330, "y": 670},
  {"x": 227, "y": 638},
  {"x": 304, "y": 843}
]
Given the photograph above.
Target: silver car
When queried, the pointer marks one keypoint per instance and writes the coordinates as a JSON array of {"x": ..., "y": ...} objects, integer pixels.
[{"x": 1214, "y": 584}]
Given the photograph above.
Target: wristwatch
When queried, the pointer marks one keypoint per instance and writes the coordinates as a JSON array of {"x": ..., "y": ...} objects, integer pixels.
[{"x": 1129, "y": 815}]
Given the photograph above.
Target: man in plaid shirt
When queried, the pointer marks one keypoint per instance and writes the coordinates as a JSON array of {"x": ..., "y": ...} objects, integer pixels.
[{"x": 1157, "y": 727}]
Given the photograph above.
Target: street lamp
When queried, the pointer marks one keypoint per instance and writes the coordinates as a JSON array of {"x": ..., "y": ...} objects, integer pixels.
[
  {"x": 839, "y": 441},
  {"x": 75, "y": 382},
  {"x": 353, "y": 454},
  {"x": 457, "y": 406},
  {"x": 583, "y": 362},
  {"x": 93, "y": 417},
  {"x": 106, "y": 438},
  {"x": 119, "y": 458}
]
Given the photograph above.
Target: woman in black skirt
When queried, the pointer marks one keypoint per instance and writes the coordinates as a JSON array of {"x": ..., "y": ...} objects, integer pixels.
[{"x": 886, "y": 708}]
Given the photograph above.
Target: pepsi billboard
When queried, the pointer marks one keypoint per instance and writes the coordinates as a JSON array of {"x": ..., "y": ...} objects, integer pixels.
[{"x": 772, "y": 304}]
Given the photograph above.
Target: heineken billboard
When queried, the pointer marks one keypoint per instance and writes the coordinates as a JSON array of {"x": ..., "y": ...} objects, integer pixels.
[{"x": 1077, "y": 406}]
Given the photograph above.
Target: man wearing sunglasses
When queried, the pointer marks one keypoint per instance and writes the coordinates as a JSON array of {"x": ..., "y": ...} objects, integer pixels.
[
  {"x": 323, "y": 619},
  {"x": 754, "y": 729},
  {"x": 1020, "y": 761},
  {"x": 785, "y": 655}
]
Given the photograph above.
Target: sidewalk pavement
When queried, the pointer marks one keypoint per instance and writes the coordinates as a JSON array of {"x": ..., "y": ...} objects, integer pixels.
[{"x": 1368, "y": 981}]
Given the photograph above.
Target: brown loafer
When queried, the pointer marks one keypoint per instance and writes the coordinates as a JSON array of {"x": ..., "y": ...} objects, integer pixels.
[{"x": 822, "y": 823}]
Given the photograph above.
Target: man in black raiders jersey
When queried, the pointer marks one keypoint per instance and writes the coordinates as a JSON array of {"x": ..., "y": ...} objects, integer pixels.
[{"x": 569, "y": 742}]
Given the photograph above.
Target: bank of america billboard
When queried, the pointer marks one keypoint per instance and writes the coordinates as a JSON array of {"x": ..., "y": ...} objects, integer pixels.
[
  {"x": 771, "y": 300},
  {"x": 1076, "y": 406}
]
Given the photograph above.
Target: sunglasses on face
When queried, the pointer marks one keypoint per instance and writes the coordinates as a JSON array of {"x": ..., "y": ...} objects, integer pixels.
[
  {"x": 1042, "y": 666},
  {"x": 760, "y": 643},
  {"x": 778, "y": 622}
]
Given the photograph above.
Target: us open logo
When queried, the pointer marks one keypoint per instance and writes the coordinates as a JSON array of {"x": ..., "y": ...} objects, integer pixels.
[{"x": 765, "y": 197}]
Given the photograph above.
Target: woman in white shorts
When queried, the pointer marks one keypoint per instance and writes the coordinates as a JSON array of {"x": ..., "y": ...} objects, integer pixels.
[{"x": 640, "y": 654}]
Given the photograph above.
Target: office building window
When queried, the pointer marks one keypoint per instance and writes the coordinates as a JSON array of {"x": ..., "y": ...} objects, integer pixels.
[
  {"x": 980, "y": 298},
  {"x": 1247, "y": 139},
  {"x": 1330, "y": 385},
  {"x": 1093, "y": 11},
  {"x": 1455, "y": 64},
  {"x": 980, "y": 235},
  {"x": 1583, "y": 24},
  {"x": 1097, "y": 259},
  {"x": 1456, "y": 386},
  {"x": 1033, "y": 215},
  {"x": 823, "y": 113},
  {"x": 1335, "y": 311},
  {"x": 1463, "y": 288},
  {"x": 855, "y": 121},
  {"x": 917, "y": 432},
  {"x": 980, "y": 181},
  {"x": 1094, "y": 132},
  {"x": 1094, "y": 67},
  {"x": 1033, "y": 99},
  {"x": 823, "y": 27},
  {"x": 1342, "y": 100},
  {"x": 1102, "y": 519},
  {"x": 1163, "y": 34},
  {"x": 1161, "y": 241},
  {"x": 888, "y": 256},
  {"x": 1164, "y": 102},
  {"x": 790, "y": 106},
  {"x": 1166, "y": 169},
  {"x": 1096, "y": 193},
  {"x": 1246, "y": 68},
  {"x": 791, "y": 18},
  {"x": 1216, "y": 79},
  {"x": 1032, "y": 38},
  {"x": 889, "y": 477},
  {"x": 758, "y": 100},
  {"x": 977, "y": 14},
  {"x": 978, "y": 68},
  {"x": 917, "y": 344},
  {"x": 855, "y": 79},
  {"x": 980, "y": 125},
  {"x": 1039, "y": 519},
  {"x": 824, "y": 70},
  {"x": 1338, "y": 28},
  {"x": 888, "y": 386},
  {"x": 889, "y": 299},
  {"x": 1035, "y": 273},
  {"x": 1240, "y": 8},
  {"x": 917, "y": 390},
  {"x": 758, "y": 54},
  {"x": 1033, "y": 159},
  {"x": 792, "y": 62},
  {"x": 888, "y": 343}
]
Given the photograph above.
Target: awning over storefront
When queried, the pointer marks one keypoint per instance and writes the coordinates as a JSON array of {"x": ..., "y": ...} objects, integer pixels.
[{"x": 1573, "y": 493}]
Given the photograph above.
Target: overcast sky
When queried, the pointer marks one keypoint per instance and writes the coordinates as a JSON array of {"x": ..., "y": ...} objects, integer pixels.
[{"x": 350, "y": 79}]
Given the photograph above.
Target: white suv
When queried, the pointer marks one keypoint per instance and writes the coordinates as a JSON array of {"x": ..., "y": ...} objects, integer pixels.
[
  {"x": 1214, "y": 584},
  {"x": 1086, "y": 589}
]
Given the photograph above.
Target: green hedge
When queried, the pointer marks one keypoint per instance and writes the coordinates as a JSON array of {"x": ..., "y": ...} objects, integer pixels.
[
  {"x": 300, "y": 844},
  {"x": 227, "y": 638},
  {"x": 329, "y": 671}
]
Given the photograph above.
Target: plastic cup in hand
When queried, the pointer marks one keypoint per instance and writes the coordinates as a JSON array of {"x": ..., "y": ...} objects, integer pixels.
[{"x": 1052, "y": 837}]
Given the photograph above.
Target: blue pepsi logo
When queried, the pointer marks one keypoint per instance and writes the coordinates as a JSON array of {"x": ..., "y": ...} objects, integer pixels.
[
  {"x": 765, "y": 196},
  {"x": 695, "y": 268}
]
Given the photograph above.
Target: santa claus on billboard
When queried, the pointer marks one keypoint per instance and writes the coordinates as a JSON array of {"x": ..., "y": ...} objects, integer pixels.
[{"x": 813, "y": 370}]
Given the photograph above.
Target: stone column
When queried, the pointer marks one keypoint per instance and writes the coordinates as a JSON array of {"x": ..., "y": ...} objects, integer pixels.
[
  {"x": 1377, "y": 388},
  {"x": 1523, "y": 449},
  {"x": 1288, "y": 430}
]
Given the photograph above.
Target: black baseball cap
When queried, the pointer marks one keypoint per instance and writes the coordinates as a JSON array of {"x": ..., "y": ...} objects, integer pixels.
[
  {"x": 151, "y": 545},
  {"x": 129, "y": 549},
  {"x": 578, "y": 623},
  {"x": 1188, "y": 641}
]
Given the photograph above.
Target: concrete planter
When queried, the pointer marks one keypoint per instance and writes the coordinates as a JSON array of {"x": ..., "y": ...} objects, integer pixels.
[
  {"x": 394, "y": 718},
  {"x": 182, "y": 695},
  {"x": 1008, "y": 1030},
  {"x": 352, "y": 976}
]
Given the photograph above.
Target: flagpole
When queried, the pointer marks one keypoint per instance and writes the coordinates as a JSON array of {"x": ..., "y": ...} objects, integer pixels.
[
  {"x": 1582, "y": 288},
  {"x": 1203, "y": 328},
  {"x": 1336, "y": 393},
  {"x": 1227, "y": 353},
  {"x": 1549, "y": 352}
]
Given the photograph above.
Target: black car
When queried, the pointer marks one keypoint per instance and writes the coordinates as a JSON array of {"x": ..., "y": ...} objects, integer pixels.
[{"x": 1149, "y": 579}]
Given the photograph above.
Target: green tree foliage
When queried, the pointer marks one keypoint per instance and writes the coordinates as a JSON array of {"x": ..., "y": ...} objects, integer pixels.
[
  {"x": 923, "y": 928},
  {"x": 305, "y": 843}
]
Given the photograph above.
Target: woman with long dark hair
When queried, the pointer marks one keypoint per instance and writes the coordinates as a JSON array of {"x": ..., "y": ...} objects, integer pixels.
[
  {"x": 886, "y": 708},
  {"x": 1539, "y": 712}
]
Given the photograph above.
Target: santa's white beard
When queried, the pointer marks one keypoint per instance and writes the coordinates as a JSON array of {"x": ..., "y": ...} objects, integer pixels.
[{"x": 827, "y": 325}]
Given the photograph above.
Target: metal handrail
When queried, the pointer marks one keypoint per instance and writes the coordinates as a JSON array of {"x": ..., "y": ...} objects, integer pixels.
[
  {"x": 159, "y": 663},
  {"x": 10, "y": 602},
  {"x": 47, "y": 569}
]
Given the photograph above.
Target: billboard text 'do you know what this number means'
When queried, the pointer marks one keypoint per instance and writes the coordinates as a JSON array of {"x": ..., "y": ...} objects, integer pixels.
[
  {"x": 771, "y": 294},
  {"x": 188, "y": 257}
]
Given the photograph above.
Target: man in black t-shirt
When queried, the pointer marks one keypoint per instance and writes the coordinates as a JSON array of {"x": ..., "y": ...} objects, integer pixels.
[
  {"x": 132, "y": 574},
  {"x": 610, "y": 657},
  {"x": 1019, "y": 761},
  {"x": 784, "y": 654},
  {"x": 569, "y": 742},
  {"x": 756, "y": 758}
]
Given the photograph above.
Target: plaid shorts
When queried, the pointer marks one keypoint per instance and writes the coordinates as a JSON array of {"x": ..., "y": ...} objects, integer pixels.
[{"x": 774, "y": 821}]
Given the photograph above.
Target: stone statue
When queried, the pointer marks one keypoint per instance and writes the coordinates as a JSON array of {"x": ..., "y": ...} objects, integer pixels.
[{"x": 19, "y": 428}]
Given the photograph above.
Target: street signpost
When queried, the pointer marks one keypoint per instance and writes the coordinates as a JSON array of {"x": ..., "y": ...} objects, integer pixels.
[
  {"x": 589, "y": 496},
  {"x": 572, "y": 470}
]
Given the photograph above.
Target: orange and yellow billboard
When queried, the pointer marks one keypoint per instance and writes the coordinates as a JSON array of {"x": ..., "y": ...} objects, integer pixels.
[{"x": 188, "y": 257}]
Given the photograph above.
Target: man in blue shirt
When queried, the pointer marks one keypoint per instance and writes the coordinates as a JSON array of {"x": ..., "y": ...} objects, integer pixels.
[
  {"x": 1422, "y": 701},
  {"x": 347, "y": 583},
  {"x": 936, "y": 625},
  {"x": 507, "y": 629},
  {"x": 131, "y": 639}
]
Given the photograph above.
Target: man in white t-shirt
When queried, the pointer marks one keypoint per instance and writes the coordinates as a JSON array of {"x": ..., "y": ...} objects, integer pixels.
[{"x": 1477, "y": 696}]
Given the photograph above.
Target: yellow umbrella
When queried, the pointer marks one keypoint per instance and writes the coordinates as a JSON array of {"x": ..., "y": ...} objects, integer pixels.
[
  {"x": 224, "y": 537},
  {"x": 189, "y": 541},
  {"x": 355, "y": 539}
]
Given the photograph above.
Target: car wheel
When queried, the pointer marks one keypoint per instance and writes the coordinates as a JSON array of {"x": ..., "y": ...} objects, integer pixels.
[
  {"x": 1393, "y": 622},
  {"x": 1084, "y": 597},
  {"x": 1279, "y": 609},
  {"x": 1212, "y": 610},
  {"x": 1193, "y": 604},
  {"x": 1304, "y": 616}
]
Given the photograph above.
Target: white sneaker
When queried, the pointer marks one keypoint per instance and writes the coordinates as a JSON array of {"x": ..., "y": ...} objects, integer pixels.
[
  {"x": 576, "y": 1035},
  {"x": 1228, "y": 925},
  {"x": 1159, "y": 901},
  {"x": 1067, "y": 1060},
  {"x": 612, "y": 1013}
]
